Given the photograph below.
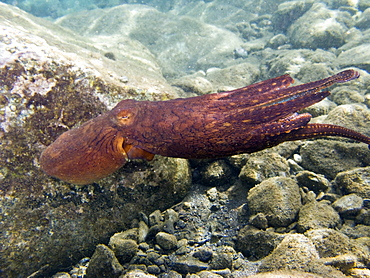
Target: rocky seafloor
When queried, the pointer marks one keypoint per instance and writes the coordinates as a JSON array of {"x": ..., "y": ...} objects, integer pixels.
[{"x": 301, "y": 209}]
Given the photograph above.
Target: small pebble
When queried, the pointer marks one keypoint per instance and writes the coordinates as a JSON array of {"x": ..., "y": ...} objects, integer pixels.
[
  {"x": 240, "y": 53},
  {"x": 153, "y": 269},
  {"x": 166, "y": 241},
  {"x": 155, "y": 218},
  {"x": 348, "y": 205},
  {"x": 123, "y": 79},
  {"x": 204, "y": 254}
]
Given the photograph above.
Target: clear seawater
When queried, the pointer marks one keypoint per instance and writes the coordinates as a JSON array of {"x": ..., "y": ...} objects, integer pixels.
[{"x": 248, "y": 19}]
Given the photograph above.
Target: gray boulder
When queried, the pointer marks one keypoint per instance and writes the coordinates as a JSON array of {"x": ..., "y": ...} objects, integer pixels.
[
  {"x": 363, "y": 22},
  {"x": 329, "y": 157},
  {"x": 348, "y": 205},
  {"x": 319, "y": 27},
  {"x": 288, "y": 12},
  {"x": 304, "y": 64},
  {"x": 357, "y": 56}
]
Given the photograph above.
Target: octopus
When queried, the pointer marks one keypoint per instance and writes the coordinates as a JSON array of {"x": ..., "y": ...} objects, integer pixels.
[{"x": 245, "y": 120}]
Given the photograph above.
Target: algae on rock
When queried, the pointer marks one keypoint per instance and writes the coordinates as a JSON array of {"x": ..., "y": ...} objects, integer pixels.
[{"x": 52, "y": 80}]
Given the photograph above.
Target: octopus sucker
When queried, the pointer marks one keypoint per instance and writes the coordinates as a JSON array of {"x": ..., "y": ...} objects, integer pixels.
[{"x": 245, "y": 120}]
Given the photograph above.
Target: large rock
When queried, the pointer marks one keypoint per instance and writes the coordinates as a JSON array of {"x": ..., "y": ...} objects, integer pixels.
[
  {"x": 51, "y": 81},
  {"x": 319, "y": 27},
  {"x": 277, "y": 198},
  {"x": 288, "y": 12},
  {"x": 355, "y": 181},
  {"x": 292, "y": 246},
  {"x": 363, "y": 21},
  {"x": 256, "y": 244},
  {"x": 123, "y": 248},
  {"x": 304, "y": 64},
  {"x": 314, "y": 215},
  {"x": 285, "y": 274},
  {"x": 352, "y": 116},
  {"x": 263, "y": 165},
  {"x": 104, "y": 263},
  {"x": 297, "y": 252},
  {"x": 216, "y": 12},
  {"x": 348, "y": 205},
  {"x": 236, "y": 76},
  {"x": 329, "y": 157},
  {"x": 357, "y": 56},
  {"x": 347, "y": 94},
  {"x": 331, "y": 243}
]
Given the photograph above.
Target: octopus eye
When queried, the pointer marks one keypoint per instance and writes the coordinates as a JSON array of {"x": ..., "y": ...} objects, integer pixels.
[{"x": 124, "y": 117}]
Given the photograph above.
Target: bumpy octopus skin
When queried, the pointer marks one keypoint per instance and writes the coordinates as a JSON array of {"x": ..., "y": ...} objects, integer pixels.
[{"x": 244, "y": 120}]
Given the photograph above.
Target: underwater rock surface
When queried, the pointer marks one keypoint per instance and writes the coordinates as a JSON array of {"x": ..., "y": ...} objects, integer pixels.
[
  {"x": 300, "y": 209},
  {"x": 50, "y": 82}
]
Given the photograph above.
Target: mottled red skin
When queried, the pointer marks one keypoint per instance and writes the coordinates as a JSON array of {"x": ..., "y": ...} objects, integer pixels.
[{"x": 244, "y": 120}]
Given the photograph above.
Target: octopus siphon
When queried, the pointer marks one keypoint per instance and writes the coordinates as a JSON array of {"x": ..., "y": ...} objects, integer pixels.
[{"x": 244, "y": 120}]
